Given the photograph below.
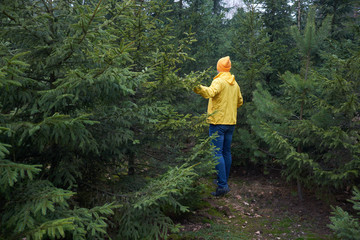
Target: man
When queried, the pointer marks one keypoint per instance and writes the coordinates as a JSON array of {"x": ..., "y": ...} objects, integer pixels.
[{"x": 224, "y": 98}]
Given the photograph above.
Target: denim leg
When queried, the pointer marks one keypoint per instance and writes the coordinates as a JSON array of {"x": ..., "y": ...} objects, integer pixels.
[
  {"x": 218, "y": 142},
  {"x": 227, "y": 149}
]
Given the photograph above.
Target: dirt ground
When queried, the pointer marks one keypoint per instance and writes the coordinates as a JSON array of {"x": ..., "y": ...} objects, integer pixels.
[{"x": 260, "y": 207}]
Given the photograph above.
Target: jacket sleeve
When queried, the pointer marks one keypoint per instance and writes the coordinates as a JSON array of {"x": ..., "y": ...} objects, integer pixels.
[
  {"x": 209, "y": 92},
  {"x": 240, "y": 100}
]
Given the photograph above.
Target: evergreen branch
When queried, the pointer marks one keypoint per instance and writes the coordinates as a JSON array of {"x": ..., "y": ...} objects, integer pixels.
[
  {"x": 46, "y": 6},
  {"x": 60, "y": 129},
  {"x": 89, "y": 223},
  {"x": 90, "y": 21},
  {"x": 173, "y": 182},
  {"x": 24, "y": 27},
  {"x": 4, "y": 150},
  {"x": 53, "y": 229},
  {"x": 85, "y": 32},
  {"x": 10, "y": 172},
  {"x": 9, "y": 16},
  {"x": 346, "y": 226},
  {"x": 194, "y": 80}
]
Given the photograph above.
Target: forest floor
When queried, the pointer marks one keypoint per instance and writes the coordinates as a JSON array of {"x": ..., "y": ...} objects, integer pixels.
[{"x": 257, "y": 207}]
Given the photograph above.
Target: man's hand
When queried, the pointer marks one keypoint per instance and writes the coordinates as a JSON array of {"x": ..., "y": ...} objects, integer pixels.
[{"x": 193, "y": 80}]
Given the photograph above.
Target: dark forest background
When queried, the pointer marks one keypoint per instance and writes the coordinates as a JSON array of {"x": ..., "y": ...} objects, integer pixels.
[{"x": 101, "y": 134}]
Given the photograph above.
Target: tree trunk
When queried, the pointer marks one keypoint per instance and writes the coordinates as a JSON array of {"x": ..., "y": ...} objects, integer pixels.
[
  {"x": 299, "y": 14},
  {"x": 180, "y": 8},
  {"x": 131, "y": 163},
  {"x": 299, "y": 188},
  {"x": 307, "y": 64}
]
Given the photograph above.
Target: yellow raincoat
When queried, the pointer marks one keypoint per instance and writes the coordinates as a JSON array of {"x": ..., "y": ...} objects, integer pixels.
[{"x": 224, "y": 98}]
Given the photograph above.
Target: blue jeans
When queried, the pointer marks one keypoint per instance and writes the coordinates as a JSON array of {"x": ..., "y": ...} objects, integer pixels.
[{"x": 222, "y": 145}]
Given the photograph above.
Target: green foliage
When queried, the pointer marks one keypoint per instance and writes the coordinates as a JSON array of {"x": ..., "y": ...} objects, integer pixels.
[
  {"x": 342, "y": 12},
  {"x": 145, "y": 215},
  {"x": 36, "y": 209},
  {"x": 312, "y": 37},
  {"x": 328, "y": 134},
  {"x": 206, "y": 20},
  {"x": 308, "y": 129},
  {"x": 345, "y": 225},
  {"x": 37, "y": 199},
  {"x": 250, "y": 64},
  {"x": 96, "y": 107},
  {"x": 250, "y": 47},
  {"x": 11, "y": 172},
  {"x": 283, "y": 57},
  {"x": 89, "y": 96},
  {"x": 91, "y": 223}
]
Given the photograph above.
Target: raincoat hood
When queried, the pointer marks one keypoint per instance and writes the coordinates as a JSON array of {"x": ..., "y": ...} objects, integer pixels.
[{"x": 227, "y": 76}]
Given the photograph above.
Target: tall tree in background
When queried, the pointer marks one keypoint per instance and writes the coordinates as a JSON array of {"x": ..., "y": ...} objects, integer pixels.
[
  {"x": 217, "y": 7},
  {"x": 341, "y": 12},
  {"x": 250, "y": 64},
  {"x": 250, "y": 47},
  {"x": 205, "y": 19},
  {"x": 283, "y": 54},
  {"x": 300, "y": 9},
  {"x": 343, "y": 28}
]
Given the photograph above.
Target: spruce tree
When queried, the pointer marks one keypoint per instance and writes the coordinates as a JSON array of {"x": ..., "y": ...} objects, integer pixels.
[
  {"x": 33, "y": 207},
  {"x": 312, "y": 128},
  {"x": 206, "y": 20},
  {"x": 345, "y": 225},
  {"x": 341, "y": 11},
  {"x": 84, "y": 104},
  {"x": 283, "y": 55},
  {"x": 250, "y": 49}
]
